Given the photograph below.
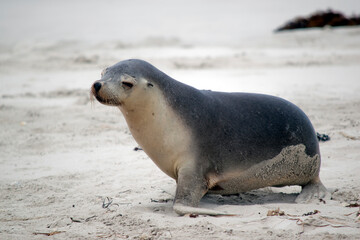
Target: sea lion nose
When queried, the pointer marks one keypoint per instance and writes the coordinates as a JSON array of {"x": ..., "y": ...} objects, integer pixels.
[{"x": 97, "y": 86}]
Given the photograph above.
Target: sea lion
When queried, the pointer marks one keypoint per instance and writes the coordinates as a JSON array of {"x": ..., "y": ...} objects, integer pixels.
[{"x": 213, "y": 142}]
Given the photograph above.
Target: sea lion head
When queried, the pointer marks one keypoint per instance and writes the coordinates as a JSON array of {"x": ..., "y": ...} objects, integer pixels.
[{"x": 121, "y": 81}]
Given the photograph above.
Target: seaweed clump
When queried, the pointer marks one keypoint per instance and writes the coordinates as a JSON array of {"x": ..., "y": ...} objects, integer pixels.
[{"x": 321, "y": 19}]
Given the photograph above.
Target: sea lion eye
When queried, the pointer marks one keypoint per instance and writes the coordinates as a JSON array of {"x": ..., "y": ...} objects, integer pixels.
[
  {"x": 127, "y": 85},
  {"x": 127, "y": 81},
  {"x": 150, "y": 85}
]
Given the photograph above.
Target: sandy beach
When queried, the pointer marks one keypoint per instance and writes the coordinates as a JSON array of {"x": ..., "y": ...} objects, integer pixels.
[{"x": 68, "y": 168}]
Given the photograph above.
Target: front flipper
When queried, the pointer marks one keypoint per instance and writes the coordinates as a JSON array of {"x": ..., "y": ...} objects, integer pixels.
[
  {"x": 191, "y": 187},
  {"x": 313, "y": 191},
  {"x": 183, "y": 210}
]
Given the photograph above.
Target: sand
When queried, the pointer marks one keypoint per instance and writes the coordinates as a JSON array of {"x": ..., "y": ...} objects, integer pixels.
[{"x": 68, "y": 168}]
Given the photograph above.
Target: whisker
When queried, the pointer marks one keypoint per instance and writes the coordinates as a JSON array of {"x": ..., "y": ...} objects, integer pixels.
[{"x": 92, "y": 97}]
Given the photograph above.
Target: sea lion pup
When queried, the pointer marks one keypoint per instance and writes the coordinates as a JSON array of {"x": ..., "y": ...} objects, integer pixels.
[{"x": 213, "y": 142}]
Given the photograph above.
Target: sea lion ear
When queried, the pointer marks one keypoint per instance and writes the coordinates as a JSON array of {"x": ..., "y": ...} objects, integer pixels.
[{"x": 127, "y": 81}]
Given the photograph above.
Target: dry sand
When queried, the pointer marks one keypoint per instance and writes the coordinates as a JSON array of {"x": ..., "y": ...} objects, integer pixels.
[{"x": 68, "y": 167}]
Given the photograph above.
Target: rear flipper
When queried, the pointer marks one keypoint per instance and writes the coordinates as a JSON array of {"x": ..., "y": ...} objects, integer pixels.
[{"x": 313, "y": 191}]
